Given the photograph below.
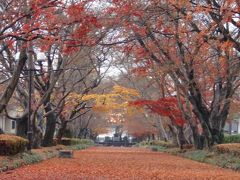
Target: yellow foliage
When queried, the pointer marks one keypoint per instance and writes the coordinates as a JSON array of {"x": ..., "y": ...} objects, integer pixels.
[
  {"x": 132, "y": 110},
  {"x": 118, "y": 98},
  {"x": 125, "y": 91}
]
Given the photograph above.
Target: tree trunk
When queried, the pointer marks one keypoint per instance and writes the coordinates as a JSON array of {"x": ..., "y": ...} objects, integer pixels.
[
  {"x": 7, "y": 94},
  {"x": 36, "y": 138},
  {"x": 180, "y": 137},
  {"x": 61, "y": 131},
  {"x": 174, "y": 135},
  {"x": 198, "y": 139},
  {"x": 50, "y": 127},
  {"x": 213, "y": 127},
  {"x": 212, "y": 119},
  {"x": 161, "y": 130},
  {"x": 218, "y": 136},
  {"x": 22, "y": 127}
]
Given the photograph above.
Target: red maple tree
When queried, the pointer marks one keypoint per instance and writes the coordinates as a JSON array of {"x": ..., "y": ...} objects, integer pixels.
[{"x": 167, "y": 107}]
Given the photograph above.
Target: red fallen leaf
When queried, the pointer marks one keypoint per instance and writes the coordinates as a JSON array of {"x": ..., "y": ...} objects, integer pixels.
[{"x": 119, "y": 163}]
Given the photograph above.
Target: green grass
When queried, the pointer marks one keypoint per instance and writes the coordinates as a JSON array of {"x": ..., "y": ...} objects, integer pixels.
[
  {"x": 16, "y": 164},
  {"x": 30, "y": 158},
  {"x": 158, "y": 148},
  {"x": 155, "y": 143},
  {"x": 79, "y": 147},
  {"x": 198, "y": 155},
  {"x": 225, "y": 160},
  {"x": 4, "y": 163}
]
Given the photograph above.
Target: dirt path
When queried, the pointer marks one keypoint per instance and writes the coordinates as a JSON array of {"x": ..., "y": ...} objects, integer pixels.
[{"x": 102, "y": 163}]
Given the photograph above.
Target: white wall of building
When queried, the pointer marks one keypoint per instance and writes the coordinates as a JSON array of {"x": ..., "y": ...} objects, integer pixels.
[
  {"x": 10, "y": 126},
  {"x": 7, "y": 125},
  {"x": 232, "y": 127},
  {"x": 2, "y": 122},
  {"x": 238, "y": 127}
]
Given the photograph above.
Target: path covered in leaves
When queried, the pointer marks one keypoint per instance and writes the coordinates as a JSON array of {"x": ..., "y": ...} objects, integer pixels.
[{"x": 102, "y": 163}]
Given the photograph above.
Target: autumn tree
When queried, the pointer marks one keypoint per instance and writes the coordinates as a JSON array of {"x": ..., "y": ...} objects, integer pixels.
[
  {"x": 82, "y": 78},
  {"x": 54, "y": 28},
  {"x": 151, "y": 86},
  {"x": 156, "y": 96},
  {"x": 197, "y": 44},
  {"x": 22, "y": 23}
]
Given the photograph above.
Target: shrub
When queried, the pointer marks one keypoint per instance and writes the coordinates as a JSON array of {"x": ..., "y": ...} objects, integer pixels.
[
  {"x": 226, "y": 160},
  {"x": 68, "y": 133},
  {"x": 162, "y": 143},
  {"x": 158, "y": 148},
  {"x": 79, "y": 147},
  {"x": 54, "y": 142},
  {"x": 86, "y": 141},
  {"x": 233, "y": 148},
  {"x": 236, "y": 165},
  {"x": 154, "y": 148},
  {"x": 199, "y": 155},
  {"x": 66, "y": 141},
  {"x": 232, "y": 138},
  {"x": 188, "y": 146},
  {"x": 143, "y": 143},
  {"x": 76, "y": 141},
  {"x": 10, "y": 144},
  {"x": 30, "y": 158},
  {"x": 156, "y": 143},
  {"x": 16, "y": 164}
]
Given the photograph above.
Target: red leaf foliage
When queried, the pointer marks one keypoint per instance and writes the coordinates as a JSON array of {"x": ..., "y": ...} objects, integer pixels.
[{"x": 167, "y": 107}]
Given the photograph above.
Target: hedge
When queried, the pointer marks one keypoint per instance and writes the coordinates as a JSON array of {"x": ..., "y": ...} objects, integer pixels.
[
  {"x": 156, "y": 143},
  {"x": 233, "y": 148},
  {"x": 10, "y": 144},
  {"x": 232, "y": 138},
  {"x": 75, "y": 141}
]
